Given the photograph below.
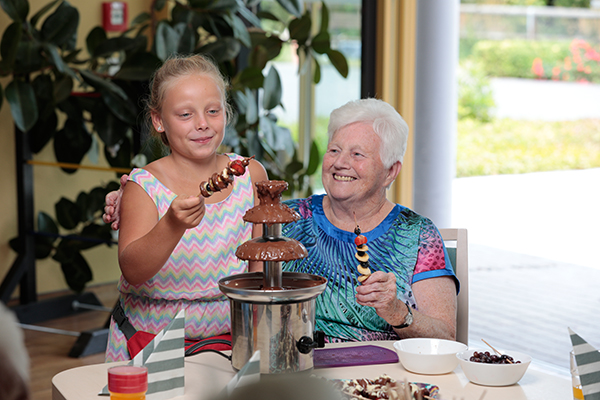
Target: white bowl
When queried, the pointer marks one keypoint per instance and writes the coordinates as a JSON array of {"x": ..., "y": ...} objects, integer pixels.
[
  {"x": 428, "y": 356},
  {"x": 494, "y": 374}
]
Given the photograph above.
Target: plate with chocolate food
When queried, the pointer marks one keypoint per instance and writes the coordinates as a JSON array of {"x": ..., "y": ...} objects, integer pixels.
[{"x": 384, "y": 387}]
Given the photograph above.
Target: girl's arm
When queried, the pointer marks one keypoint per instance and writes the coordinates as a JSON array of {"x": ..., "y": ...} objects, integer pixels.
[{"x": 145, "y": 242}]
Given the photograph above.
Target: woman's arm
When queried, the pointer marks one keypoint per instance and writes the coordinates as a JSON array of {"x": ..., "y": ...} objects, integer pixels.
[
  {"x": 436, "y": 298},
  {"x": 145, "y": 242}
]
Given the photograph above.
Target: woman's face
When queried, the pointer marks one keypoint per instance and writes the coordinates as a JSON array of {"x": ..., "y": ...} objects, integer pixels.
[
  {"x": 352, "y": 167},
  {"x": 192, "y": 116}
]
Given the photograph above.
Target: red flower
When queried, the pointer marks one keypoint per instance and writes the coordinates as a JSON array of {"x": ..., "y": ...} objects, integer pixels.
[{"x": 538, "y": 68}]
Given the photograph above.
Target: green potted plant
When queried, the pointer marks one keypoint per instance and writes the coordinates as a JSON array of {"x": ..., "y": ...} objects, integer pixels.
[{"x": 86, "y": 101}]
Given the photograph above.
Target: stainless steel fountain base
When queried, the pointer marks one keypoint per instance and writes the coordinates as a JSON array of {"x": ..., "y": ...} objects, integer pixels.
[{"x": 276, "y": 322}]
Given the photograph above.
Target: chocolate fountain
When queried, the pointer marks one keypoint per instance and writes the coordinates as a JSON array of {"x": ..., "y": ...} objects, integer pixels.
[{"x": 273, "y": 311}]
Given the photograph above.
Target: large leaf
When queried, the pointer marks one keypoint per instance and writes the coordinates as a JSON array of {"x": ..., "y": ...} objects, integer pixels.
[
  {"x": 219, "y": 6},
  {"x": 248, "y": 15},
  {"x": 314, "y": 159},
  {"x": 42, "y": 132},
  {"x": 63, "y": 86},
  {"x": 339, "y": 62},
  {"x": 110, "y": 128},
  {"x": 224, "y": 49},
  {"x": 291, "y": 6},
  {"x": 43, "y": 87},
  {"x": 316, "y": 71},
  {"x": 95, "y": 38},
  {"x": 250, "y": 77},
  {"x": 43, "y": 11},
  {"x": 23, "y": 107},
  {"x": 82, "y": 207},
  {"x": 29, "y": 56},
  {"x": 251, "y": 107},
  {"x": 94, "y": 235},
  {"x": 10, "y": 43},
  {"x": 240, "y": 31},
  {"x": 58, "y": 62},
  {"x": 321, "y": 43},
  {"x": 67, "y": 213},
  {"x": 272, "y": 90},
  {"x": 102, "y": 84},
  {"x": 270, "y": 43},
  {"x": 61, "y": 26},
  {"x": 114, "y": 45},
  {"x": 300, "y": 29},
  {"x": 166, "y": 41},
  {"x": 140, "y": 67},
  {"x": 48, "y": 232},
  {"x": 122, "y": 108},
  {"x": 77, "y": 272},
  {"x": 17, "y": 10},
  {"x": 187, "y": 39},
  {"x": 324, "y": 18},
  {"x": 72, "y": 143}
]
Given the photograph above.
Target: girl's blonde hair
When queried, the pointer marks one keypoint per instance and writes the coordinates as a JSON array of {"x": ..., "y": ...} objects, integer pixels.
[{"x": 177, "y": 66}]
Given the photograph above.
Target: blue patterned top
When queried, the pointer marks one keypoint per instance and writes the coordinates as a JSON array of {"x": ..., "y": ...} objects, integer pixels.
[{"x": 405, "y": 244}]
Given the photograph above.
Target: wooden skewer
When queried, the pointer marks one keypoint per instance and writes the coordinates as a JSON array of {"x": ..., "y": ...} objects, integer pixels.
[{"x": 497, "y": 352}]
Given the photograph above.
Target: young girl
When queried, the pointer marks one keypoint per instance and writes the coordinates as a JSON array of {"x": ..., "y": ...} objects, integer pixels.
[{"x": 175, "y": 245}]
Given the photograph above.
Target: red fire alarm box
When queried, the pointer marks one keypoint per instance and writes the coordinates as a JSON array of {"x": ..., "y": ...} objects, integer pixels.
[{"x": 114, "y": 16}]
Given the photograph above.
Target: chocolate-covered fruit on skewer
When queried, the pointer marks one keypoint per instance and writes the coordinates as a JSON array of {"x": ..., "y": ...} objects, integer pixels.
[
  {"x": 361, "y": 255},
  {"x": 218, "y": 182}
]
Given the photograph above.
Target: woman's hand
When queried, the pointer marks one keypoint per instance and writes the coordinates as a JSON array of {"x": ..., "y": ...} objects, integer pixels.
[
  {"x": 379, "y": 292},
  {"x": 112, "y": 209},
  {"x": 436, "y": 297}
]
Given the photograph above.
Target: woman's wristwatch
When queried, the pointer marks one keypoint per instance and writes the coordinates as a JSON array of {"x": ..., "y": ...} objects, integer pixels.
[{"x": 407, "y": 320}]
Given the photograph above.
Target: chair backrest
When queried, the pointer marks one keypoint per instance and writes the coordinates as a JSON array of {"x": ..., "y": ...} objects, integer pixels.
[{"x": 456, "y": 242}]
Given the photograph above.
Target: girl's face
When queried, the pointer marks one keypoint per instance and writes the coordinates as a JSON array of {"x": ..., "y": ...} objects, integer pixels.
[
  {"x": 192, "y": 116},
  {"x": 352, "y": 167}
]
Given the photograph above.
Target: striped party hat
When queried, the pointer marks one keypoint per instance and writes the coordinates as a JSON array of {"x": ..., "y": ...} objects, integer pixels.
[
  {"x": 164, "y": 358},
  {"x": 588, "y": 364}
]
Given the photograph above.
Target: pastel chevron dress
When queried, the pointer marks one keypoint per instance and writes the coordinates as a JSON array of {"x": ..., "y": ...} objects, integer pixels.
[
  {"x": 405, "y": 244},
  {"x": 189, "y": 279}
]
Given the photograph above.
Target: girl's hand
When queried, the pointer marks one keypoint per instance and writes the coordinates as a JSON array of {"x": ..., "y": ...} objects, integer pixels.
[
  {"x": 379, "y": 292},
  {"x": 186, "y": 212}
]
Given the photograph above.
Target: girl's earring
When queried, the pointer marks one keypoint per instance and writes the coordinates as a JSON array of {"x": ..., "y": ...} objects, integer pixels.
[{"x": 159, "y": 129}]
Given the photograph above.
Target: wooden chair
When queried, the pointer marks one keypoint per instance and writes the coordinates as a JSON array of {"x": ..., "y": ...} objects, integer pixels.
[{"x": 456, "y": 242}]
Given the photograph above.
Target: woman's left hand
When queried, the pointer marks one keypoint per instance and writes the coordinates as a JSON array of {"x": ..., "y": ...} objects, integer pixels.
[{"x": 379, "y": 292}]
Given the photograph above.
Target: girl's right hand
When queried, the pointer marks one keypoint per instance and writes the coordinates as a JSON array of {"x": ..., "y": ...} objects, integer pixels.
[{"x": 186, "y": 212}]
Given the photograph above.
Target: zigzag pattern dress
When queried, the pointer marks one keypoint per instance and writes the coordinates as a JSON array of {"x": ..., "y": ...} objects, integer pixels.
[
  {"x": 405, "y": 243},
  {"x": 190, "y": 277}
]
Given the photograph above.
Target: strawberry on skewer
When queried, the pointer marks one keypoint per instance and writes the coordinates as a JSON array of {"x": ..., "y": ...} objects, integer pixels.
[
  {"x": 218, "y": 182},
  {"x": 361, "y": 254}
]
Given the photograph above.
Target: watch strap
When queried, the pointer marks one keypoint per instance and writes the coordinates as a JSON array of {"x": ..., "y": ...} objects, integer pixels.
[{"x": 407, "y": 320}]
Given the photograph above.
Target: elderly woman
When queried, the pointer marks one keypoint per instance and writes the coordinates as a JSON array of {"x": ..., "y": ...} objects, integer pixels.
[{"x": 412, "y": 290}]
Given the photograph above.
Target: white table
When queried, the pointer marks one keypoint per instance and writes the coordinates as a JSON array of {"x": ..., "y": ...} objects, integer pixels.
[{"x": 207, "y": 374}]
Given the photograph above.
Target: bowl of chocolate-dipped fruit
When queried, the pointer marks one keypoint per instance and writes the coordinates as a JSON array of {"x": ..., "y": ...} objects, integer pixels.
[{"x": 488, "y": 368}]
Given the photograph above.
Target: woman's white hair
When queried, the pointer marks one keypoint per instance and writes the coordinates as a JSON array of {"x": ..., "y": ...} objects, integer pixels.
[{"x": 387, "y": 124}]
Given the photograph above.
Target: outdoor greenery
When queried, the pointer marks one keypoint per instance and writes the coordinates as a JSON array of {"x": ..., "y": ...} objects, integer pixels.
[{"x": 505, "y": 146}]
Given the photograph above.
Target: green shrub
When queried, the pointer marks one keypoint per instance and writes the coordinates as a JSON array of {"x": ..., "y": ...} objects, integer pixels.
[
  {"x": 475, "y": 97},
  {"x": 505, "y": 146},
  {"x": 514, "y": 58}
]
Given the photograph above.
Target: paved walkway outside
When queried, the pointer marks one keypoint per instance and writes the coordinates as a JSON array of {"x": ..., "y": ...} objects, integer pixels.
[{"x": 533, "y": 266}]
